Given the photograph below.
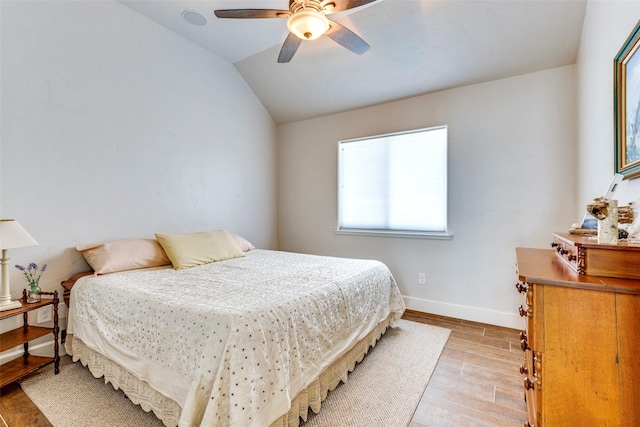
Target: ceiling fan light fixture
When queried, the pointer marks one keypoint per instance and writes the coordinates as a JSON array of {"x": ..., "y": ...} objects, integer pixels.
[{"x": 308, "y": 24}]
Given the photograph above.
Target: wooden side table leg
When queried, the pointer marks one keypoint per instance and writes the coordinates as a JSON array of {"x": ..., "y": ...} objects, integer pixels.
[{"x": 56, "y": 331}]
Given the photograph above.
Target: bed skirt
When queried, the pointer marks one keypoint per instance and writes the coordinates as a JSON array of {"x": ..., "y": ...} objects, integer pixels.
[{"x": 168, "y": 411}]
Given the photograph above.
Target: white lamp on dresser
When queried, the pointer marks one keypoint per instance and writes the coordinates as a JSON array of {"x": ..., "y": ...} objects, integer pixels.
[{"x": 12, "y": 235}]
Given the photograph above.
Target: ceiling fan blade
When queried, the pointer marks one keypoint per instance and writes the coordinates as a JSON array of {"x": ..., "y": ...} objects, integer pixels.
[
  {"x": 289, "y": 48},
  {"x": 334, "y": 6},
  {"x": 346, "y": 38},
  {"x": 251, "y": 13}
]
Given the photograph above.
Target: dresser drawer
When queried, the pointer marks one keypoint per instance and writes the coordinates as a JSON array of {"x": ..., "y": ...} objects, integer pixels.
[{"x": 585, "y": 255}]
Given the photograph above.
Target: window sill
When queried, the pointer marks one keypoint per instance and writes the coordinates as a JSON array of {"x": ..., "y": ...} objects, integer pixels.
[{"x": 389, "y": 233}]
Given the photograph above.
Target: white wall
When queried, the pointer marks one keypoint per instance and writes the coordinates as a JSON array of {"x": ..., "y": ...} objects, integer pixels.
[
  {"x": 114, "y": 127},
  {"x": 511, "y": 183},
  {"x": 607, "y": 26}
]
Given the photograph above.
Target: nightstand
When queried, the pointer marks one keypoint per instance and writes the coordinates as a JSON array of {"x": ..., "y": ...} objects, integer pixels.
[{"x": 26, "y": 364}]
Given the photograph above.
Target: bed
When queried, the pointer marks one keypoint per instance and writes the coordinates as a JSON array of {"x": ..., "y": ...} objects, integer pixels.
[{"x": 254, "y": 340}]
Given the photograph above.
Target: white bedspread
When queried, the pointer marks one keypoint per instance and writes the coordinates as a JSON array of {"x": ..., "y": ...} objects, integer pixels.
[{"x": 233, "y": 342}]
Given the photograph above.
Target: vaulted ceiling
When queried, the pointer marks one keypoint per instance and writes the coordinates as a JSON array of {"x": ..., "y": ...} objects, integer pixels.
[{"x": 417, "y": 47}]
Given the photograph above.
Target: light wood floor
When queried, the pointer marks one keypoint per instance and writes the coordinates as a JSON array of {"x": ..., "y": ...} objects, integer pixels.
[{"x": 476, "y": 382}]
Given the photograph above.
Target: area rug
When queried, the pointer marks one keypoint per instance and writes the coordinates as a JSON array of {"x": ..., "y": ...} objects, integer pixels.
[{"x": 384, "y": 389}]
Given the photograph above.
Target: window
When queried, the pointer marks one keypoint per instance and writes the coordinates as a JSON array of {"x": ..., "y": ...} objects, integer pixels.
[{"x": 394, "y": 183}]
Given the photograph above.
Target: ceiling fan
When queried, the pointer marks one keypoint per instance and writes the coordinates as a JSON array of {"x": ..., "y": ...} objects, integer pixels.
[{"x": 307, "y": 20}]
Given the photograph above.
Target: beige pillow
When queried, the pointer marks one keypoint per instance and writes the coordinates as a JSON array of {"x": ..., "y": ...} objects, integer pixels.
[
  {"x": 191, "y": 249},
  {"x": 120, "y": 255},
  {"x": 244, "y": 244}
]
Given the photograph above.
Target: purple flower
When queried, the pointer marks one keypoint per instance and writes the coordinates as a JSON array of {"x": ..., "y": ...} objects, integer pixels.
[{"x": 31, "y": 273}]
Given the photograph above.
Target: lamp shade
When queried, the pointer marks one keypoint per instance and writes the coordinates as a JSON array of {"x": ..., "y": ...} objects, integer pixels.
[
  {"x": 308, "y": 25},
  {"x": 12, "y": 235}
]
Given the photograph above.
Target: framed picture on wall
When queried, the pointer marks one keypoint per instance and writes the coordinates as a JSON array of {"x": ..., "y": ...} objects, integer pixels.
[{"x": 627, "y": 106}]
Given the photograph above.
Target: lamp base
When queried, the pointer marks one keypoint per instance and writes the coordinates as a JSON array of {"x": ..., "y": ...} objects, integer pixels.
[
  {"x": 5, "y": 291},
  {"x": 10, "y": 305}
]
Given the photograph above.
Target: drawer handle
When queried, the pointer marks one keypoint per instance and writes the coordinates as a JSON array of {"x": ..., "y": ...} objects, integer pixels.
[
  {"x": 521, "y": 287},
  {"x": 563, "y": 251},
  {"x": 571, "y": 257},
  {"x": 522, "y": 311},
  {"x": 554, "y": 244},
  {"x": 528, "y": 384},
  {"x": 524, "y": 345},
  {"x": 523, "y": 370}
]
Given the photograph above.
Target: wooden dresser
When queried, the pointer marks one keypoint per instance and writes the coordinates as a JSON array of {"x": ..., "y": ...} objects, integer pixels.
[{"x": 581, "y": 343}]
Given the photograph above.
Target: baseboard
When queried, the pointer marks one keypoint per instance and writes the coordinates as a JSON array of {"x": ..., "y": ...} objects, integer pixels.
[{"x": 465, "y": 312}]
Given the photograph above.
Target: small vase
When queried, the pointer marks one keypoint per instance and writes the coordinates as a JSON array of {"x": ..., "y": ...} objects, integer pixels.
[{"x": 33, "y": 294}]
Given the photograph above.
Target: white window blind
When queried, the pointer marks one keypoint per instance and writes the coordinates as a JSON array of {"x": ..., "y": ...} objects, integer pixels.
[{"x": 394, "y": 182}]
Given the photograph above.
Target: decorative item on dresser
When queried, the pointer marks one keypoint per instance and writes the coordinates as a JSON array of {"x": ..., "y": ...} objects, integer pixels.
[
  {"x": 22, "y": 366},
  {"x": 580, "y": 335},
  {"x": 12, "y": 235},
  {"x": 606, "y": 212}
]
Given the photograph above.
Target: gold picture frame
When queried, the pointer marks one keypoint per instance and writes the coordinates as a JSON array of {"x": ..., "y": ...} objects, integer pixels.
[{"x": 627, "y": 106}]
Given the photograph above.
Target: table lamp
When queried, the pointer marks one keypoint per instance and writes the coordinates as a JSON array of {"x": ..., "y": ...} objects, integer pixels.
[{"x": 12, "y": 235}]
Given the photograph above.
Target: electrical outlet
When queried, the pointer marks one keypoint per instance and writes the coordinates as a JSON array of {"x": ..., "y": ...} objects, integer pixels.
[
  {"x": 45, "y": 314},
  {"x": 422, "y": 278}
]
